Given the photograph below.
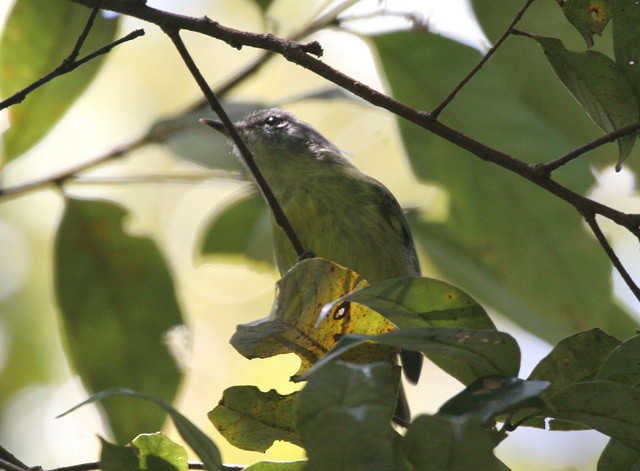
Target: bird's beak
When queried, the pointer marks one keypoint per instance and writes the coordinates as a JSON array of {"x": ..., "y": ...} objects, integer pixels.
[{"x": 215, "y": 124}]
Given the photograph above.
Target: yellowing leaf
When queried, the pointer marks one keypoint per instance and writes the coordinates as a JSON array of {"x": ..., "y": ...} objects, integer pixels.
[
  {"x": 292, "y": 325},
  {"x": 252, "y": 420},
  {"x": 588, "y": 16}
]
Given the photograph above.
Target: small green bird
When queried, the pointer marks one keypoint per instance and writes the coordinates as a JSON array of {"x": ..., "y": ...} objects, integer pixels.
[{"x": 337, "y": 212}]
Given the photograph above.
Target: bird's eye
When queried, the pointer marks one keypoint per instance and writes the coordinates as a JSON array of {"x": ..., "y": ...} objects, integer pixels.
[{"x": 274, "y": 121}]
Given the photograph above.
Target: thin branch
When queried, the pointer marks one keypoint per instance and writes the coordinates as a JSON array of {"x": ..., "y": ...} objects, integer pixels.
[
  {"x": 156, "y": 178},
  {"x": 68, "y": 65},
  {"x": 438, "y": 109},
  {"x": 278, "y": 213},
  {"x": 85, "y": 32},
  {"x": 61, "y": 177},
  {"x": 574, "y": 154},
  {"x": 595, "y": 227}
]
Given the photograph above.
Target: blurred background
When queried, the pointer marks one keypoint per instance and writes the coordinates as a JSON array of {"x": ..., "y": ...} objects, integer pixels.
[{"x": 141, "y": 82}]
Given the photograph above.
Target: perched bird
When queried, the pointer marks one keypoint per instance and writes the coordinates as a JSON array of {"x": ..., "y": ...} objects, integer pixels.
[{"x": 337, "y": 212}]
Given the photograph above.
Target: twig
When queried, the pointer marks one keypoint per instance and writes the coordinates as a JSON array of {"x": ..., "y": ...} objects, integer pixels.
[
  {"x": 70, "y": 63},
  {"x": 85, "y": 32},
  {"x": 61, "y": 177},
  {"x": 438, "y": 109},
  {"x": 278, "y": 213},
  {"x": 555, "y": 164},
  {"x": 155, "y": 178},
  {"x": 595, "y": 227}
]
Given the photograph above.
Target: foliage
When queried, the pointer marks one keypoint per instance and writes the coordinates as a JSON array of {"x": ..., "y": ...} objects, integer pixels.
[{"x": 510, "y": 244}]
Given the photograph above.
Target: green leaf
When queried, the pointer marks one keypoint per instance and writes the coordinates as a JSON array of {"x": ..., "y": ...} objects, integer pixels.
[
  {"x": 619, "y": 457},
  {"x": 574, "y": 359},
  {"x": 38, "y": 36},
  {"x": 117, "y": 300},
  {"x": 420, "y": 301},
  {"x": 626, "y": 41},
  {"x": 344, "y": 416},
  {"x": 610, "y": 408},
  {"x": 465, "y": 354},
  {"x": 200, "y": 443},
  {"x": 623, "y": 363},
  {"x": 435, "y": 443},
  {"x": 159, "y": 446},
  {"x": 589, "y": 17},
  {"x": 600, "y": 87},
  {"x": 118, "y": 458},
  {"x": 485, "y": 245},
  {"x": 252, "y": 420},
  {"x": 492, "y": 396},
  {"x": 224, "y": 235},
  {"x": 292, "y": 326}
]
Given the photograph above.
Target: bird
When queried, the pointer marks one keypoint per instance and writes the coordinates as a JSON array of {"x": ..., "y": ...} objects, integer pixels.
[{"x": 337, "y": 211}]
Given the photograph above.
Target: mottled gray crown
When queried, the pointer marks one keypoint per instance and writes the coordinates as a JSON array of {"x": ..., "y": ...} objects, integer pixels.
[{"x": 276, "y": 127}]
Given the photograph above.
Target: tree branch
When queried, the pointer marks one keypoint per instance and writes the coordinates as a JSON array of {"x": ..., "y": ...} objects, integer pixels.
[{"x": 61, "y": 177}]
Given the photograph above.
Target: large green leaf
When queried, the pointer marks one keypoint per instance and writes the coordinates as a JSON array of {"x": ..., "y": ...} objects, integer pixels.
[
  {"x": 611, "y": 408},
  {"x": 344, "y": 416},
  {"x": 465, "y": 354},
  {"x": 599, "y": 85},
  {"x": 117, "y": 300},
  {"x": 505, "y": 241},
  {"x": 619, "y": 457},
  {"x": 626, "y": 40},
  {"x": 419, "y": 301},
  {"x": 435, "y": 443},
  {"x": 38, "y": 36},
  {"x": 623, "y": 363}
]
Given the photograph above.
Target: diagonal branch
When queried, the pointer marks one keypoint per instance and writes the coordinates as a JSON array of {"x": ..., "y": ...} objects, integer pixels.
[
  {"x": 595, "y": 227},
  {"x": 438, "y": 109},
  {"x": 278, "y": 213}
]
